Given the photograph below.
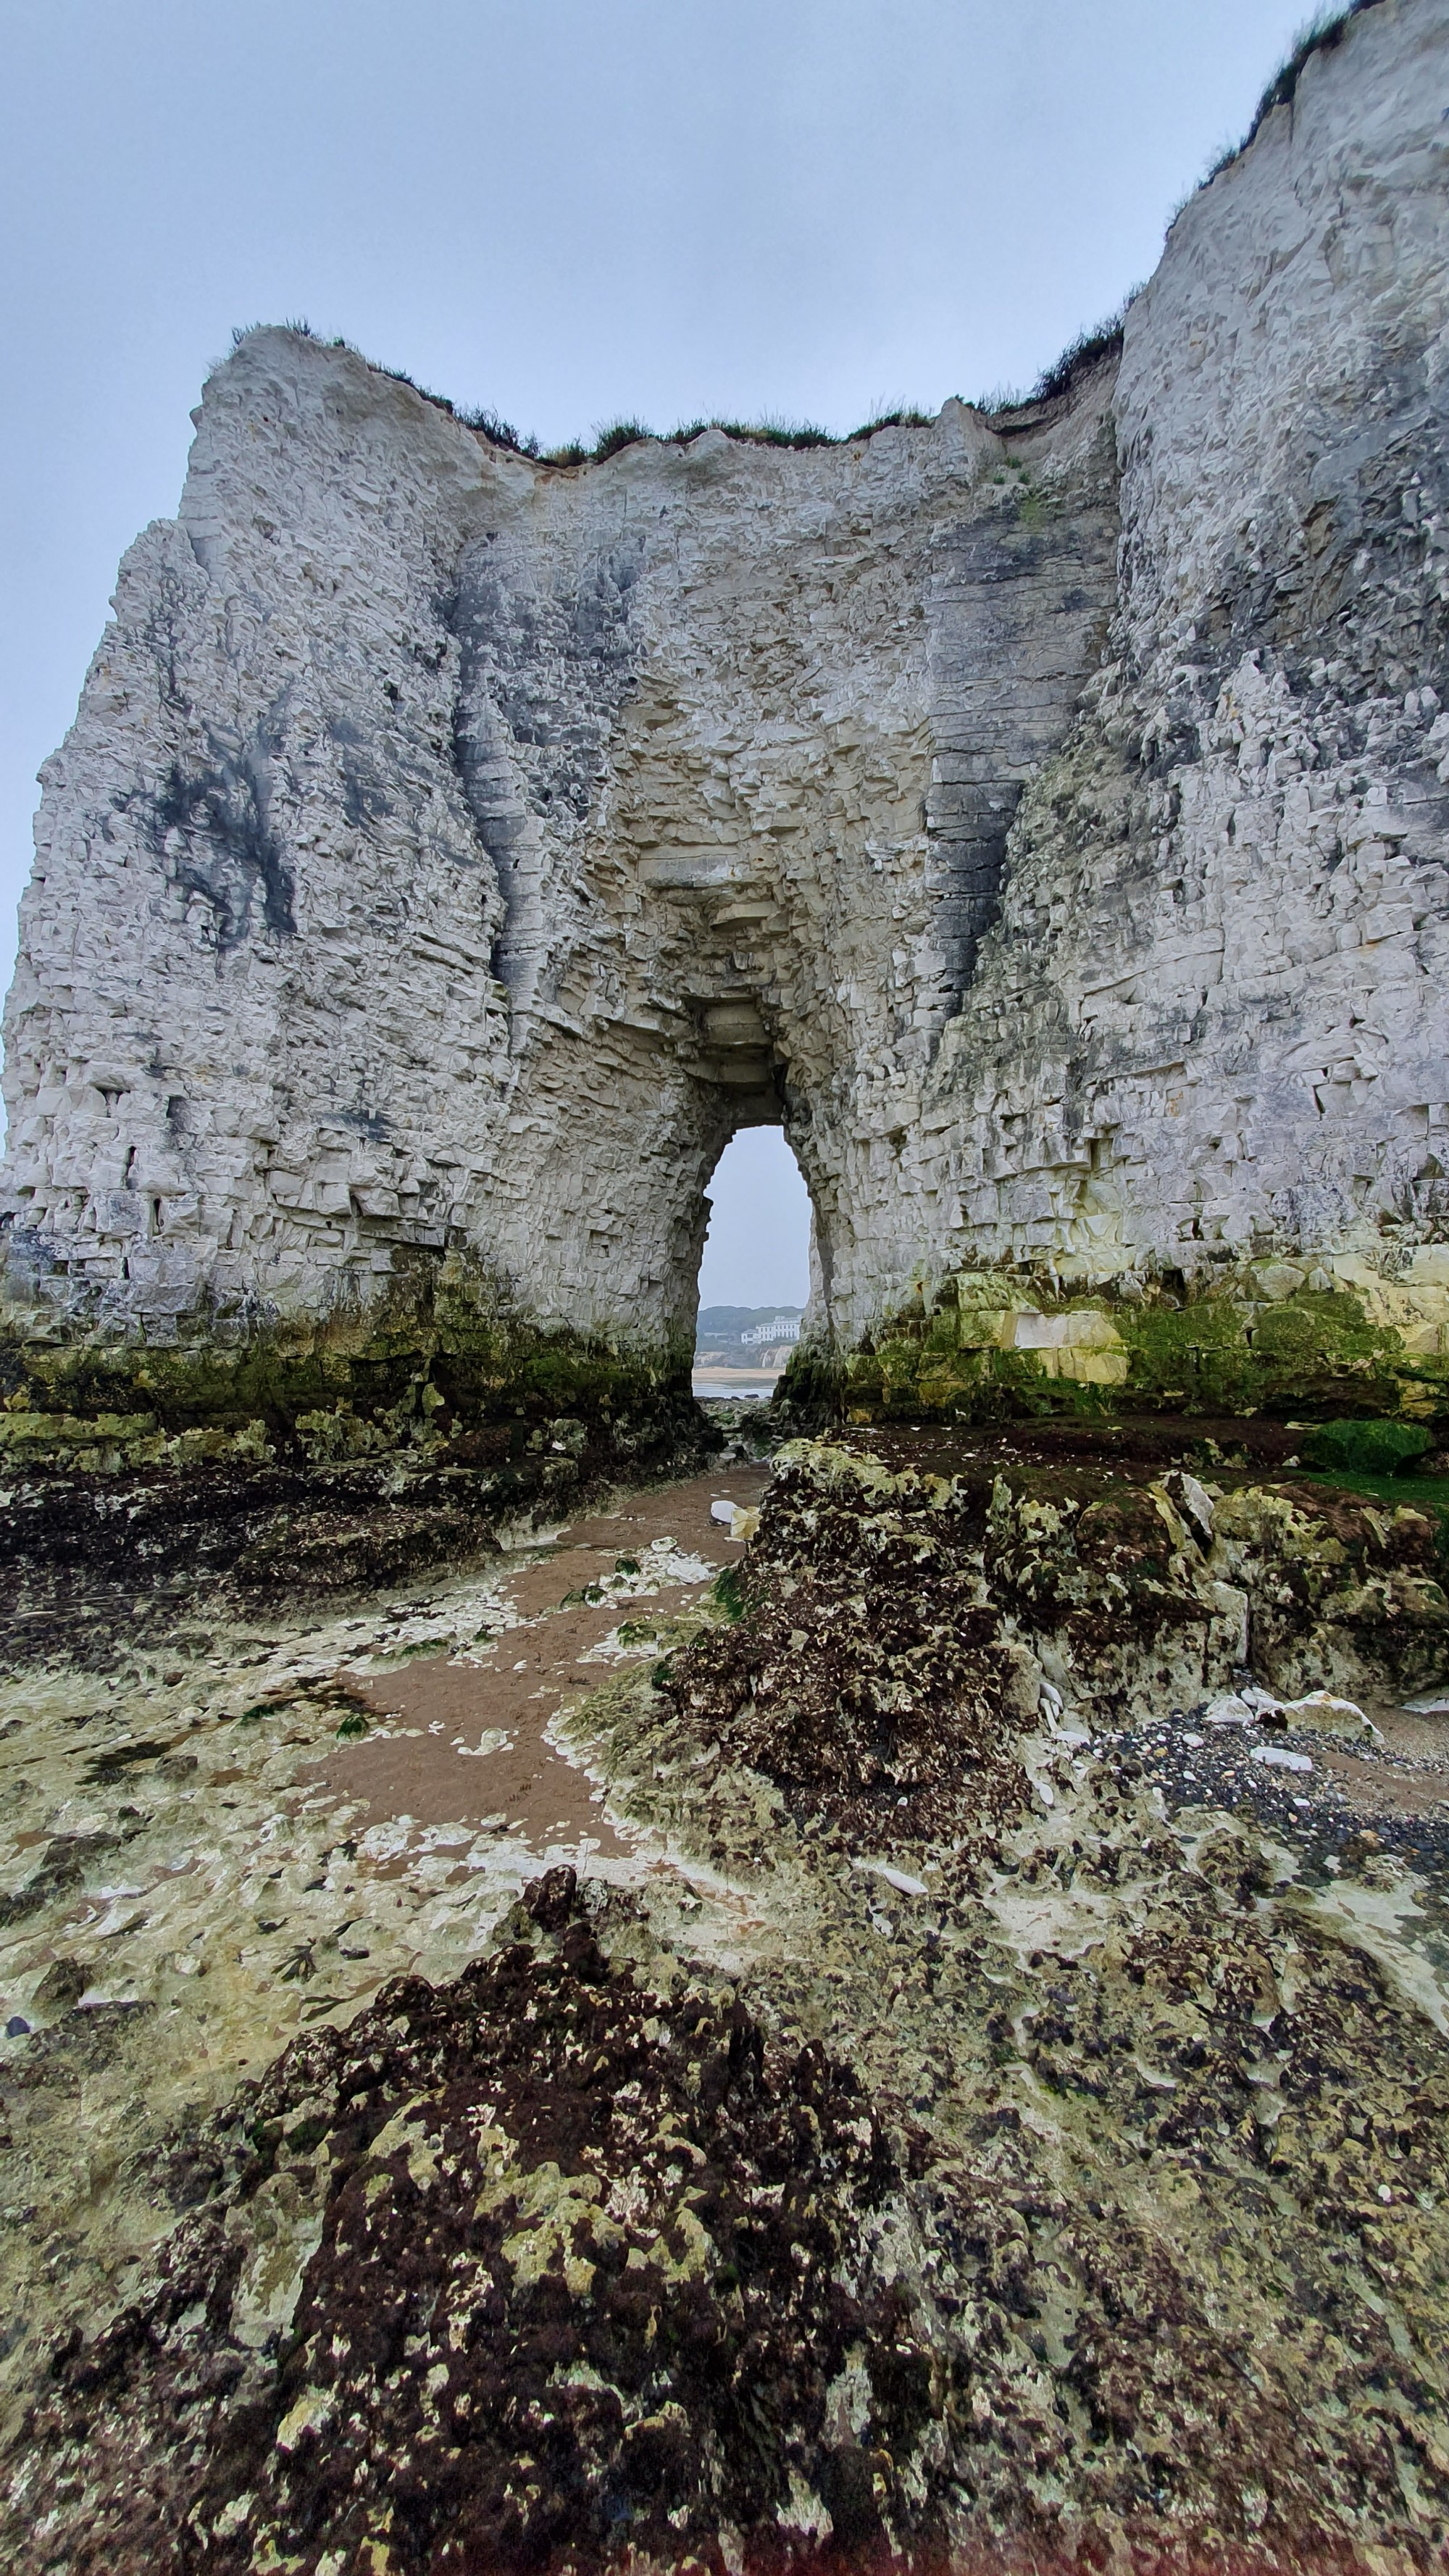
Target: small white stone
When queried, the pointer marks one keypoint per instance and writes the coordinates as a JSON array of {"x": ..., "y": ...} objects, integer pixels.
[
  {"x": 899, "y": 1879},
  {"x": 1228, "y": 1709}
]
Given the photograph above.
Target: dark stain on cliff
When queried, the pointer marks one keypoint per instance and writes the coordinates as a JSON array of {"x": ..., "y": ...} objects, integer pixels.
[
  {"x": 542, "y": 679},
  {"x": 1042, "y": 562},
  {"x": 210, "y": 832}
]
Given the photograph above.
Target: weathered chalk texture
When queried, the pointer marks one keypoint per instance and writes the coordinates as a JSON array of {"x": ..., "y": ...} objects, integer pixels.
[{"x": 1043, "y": 816}]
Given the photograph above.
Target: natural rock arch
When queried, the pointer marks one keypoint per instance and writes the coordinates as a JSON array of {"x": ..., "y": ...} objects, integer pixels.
[
  {"x": 1041, "y": 812},
  {"x": 614, "y": 797}
]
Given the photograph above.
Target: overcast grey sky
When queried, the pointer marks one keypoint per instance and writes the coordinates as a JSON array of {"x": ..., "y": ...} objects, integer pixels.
[
  {"x": 757, "y": 1250},
  {"x": 569, "y": 209}
]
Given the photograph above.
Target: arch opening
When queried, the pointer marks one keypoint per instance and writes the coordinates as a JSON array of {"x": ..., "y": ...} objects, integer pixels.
[{"x": 755, "y": 1267}]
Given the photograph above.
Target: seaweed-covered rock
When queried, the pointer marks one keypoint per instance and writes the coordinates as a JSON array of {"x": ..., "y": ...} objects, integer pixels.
[
  {"x": 898, "y": 1622},
  {"x": 870, "y": 1672},
  {"x": 1341, "y": 1591},
  {"x": 1031, "y": 2163},
  {"x": 552, "y": 2267},
  {"x": 572, "y": 2266}
]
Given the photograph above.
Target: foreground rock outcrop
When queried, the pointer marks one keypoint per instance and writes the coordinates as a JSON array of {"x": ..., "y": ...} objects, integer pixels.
[
  {"x": 587, "y": 2275},
  {"x": 1041, "y": 813},
  {"x": 986, "y": 2122}
]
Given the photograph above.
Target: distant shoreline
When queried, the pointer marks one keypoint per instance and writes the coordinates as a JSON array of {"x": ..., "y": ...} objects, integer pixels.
[{"x": 734, "y": 1381}]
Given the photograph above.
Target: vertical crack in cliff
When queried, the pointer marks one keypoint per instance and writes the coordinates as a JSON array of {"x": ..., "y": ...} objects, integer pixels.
[{"x": 544, "y": 671}]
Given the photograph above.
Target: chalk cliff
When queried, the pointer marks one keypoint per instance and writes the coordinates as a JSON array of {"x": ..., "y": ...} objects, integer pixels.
[
  {"x": 915, "y": 2038},
  {"x": 1042, "y": 815}
]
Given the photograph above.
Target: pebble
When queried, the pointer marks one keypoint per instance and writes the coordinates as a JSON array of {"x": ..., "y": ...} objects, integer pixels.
[{"x": 899, "y": 1879}]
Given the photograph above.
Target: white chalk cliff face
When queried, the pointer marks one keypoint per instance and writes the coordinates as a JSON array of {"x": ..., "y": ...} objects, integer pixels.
[{"x": 1044, "y": 817}]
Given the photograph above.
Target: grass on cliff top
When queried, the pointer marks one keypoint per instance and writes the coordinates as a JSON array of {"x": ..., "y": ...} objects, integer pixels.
[
  {"x": 1084, "y": 352},
  {"x": 1102, "y": 341},
  {"x": 1320, "y": 34},
  {"x": 771, "y": 431}
]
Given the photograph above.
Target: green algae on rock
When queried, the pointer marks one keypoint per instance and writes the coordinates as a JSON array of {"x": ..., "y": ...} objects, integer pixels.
[
  {"x": 442, "y": 1360},
  {"x": 321, "y": 1456},
  {"x": 1278, "y": 1338}
]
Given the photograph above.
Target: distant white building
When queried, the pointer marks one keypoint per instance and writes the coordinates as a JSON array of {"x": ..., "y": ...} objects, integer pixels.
[{"x": 785, "y": 1328}]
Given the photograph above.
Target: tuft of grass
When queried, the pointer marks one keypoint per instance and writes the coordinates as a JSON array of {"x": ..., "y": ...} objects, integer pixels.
[
  {"x": 1103, "y": 341},
  {"x": 777, "y": 433},
  {"x": 999, "y": 398},
  {"x": 1324, "y": 31},
  {"x": 400, "y": 376},
  {"x": 728, "y": 1593},
  {"x": 906, "y": 418},
  {"x": 1366, "y": 1448},
  {"x": 353, "y": 1724},
  {"x": 296, "y": 323},
  {"x": 757, "y": 433},
  {"x": 619, "y": 434},
  {"x": 490, "y": 424},
  {"x": 1321, "y": 34}
]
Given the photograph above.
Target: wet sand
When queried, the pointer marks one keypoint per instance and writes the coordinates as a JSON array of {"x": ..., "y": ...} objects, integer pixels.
[
  {"x": 1407, "y": 1776},
  {"x": 467, "y": 1738},
  {"x": 718, "y": 1383}
]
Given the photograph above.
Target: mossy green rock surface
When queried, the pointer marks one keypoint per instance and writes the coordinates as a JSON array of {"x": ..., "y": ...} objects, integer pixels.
[{"x": 987, "y": 1345}]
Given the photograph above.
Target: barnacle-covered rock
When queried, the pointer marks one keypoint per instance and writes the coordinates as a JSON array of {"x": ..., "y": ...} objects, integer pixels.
[{"x": 561, "y": 2265}]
